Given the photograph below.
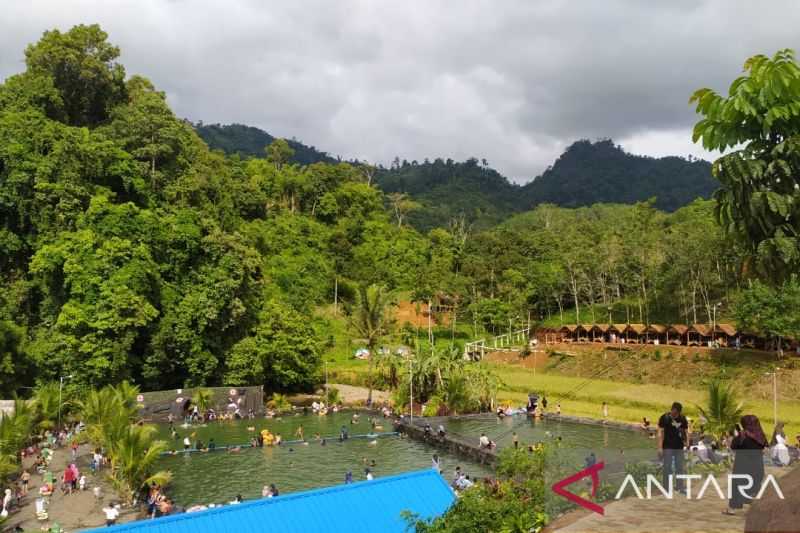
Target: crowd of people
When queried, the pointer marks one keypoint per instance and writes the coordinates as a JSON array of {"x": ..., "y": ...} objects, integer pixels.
[{"x": 745, "y": 444}]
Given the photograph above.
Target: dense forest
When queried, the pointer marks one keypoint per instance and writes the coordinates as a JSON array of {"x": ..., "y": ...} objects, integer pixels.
[
  {"x": 130, "y": 250},
  {"x": 586, "y": 173}
]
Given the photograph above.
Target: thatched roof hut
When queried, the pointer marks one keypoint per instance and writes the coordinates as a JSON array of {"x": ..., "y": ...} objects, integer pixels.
[
  {"x": 678, "y": 329},
  {"x": 726, "y": 329}
]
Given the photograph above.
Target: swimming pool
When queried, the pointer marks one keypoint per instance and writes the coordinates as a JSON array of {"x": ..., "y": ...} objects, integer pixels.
[
  {"x": 614, "y": 446},
  {"x": 217, "y": 477}
]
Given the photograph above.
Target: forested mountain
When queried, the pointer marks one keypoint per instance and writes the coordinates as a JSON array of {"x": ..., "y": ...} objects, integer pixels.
[
  {"x": 589, "y": 173},
  {"x": 586, "y": 173},
  {"x": 444, "y": 190},
  {"x": 250, "y": 141}
]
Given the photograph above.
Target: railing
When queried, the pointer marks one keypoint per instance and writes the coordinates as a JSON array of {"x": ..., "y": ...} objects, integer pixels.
[{"x": 477, "y": 349}]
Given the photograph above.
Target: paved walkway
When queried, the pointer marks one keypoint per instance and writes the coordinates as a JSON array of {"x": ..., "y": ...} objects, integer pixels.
[
  {"x": 73, "y": 512},
  {"x": 679, "y": 515}
]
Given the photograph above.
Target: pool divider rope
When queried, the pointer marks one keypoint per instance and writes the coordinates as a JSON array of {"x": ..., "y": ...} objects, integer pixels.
[{"x": 332, "y": 439}]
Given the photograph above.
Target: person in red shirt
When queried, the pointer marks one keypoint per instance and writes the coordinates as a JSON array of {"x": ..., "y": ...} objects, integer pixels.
[{"x": 68, "y": 479}]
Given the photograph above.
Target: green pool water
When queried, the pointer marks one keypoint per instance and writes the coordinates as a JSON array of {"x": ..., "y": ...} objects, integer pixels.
[
  {"x": 612, "y": 445},
  {"x": 217, "y": 477}
]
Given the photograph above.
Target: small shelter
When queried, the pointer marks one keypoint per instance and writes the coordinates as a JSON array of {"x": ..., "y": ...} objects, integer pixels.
[
  {"x": 634, "y": 333},
  {"x": 724, "y": 334},
  {"x": 616, "y": 331},
  {"x": 568, "y": 332},
  {"x": 656, "y": 334},
  {"x": 598, "y": 332},
  {"x": 676, "y": 334},
  {"x": 698, "y": 335}
]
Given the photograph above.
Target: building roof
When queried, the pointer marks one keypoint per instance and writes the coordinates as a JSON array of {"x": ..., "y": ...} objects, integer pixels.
[
  {"x": 618, "y": 327},
  {"x": 636, "y": 328},
  {"x": 656, "y": 328},
  {"x": 599, "y": 327},
  {"x": 357, "y": 507},
  {"x": 727, "y": 329},
  {"x": 680, "y": 329},
  {"x": 704, "y": 330}
]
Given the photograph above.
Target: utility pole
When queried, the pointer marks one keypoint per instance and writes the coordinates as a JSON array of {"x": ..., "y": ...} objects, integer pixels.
[{"x": 411, "y": 386}]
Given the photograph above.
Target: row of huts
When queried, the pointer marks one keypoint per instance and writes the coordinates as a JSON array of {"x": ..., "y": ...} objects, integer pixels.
[{"x": 723, "y": 335}]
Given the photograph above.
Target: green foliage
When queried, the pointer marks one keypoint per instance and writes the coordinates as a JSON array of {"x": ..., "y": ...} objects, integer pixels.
[
  {"x": 202, "y": 399},
  {"x": 770, "y": 311},
  {"x": 515, "y": 503},
  {"x": 370, "y": 318},
  {"x": 332, "y": 396},
  {"x": 250, "y": 141},
  {"x": 281, "y": 354},
  {"x": 279, "y": 402},
  {"x": 723, "y": 409},
  {"x": 81, "y": 66},
  {"x": 759, "y": 121},
  {"x": 15, "y": 366},
  {"x": 586, "y": 173}
]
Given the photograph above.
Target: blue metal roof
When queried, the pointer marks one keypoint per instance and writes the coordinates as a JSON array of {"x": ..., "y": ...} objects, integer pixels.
[{"x": 357, "y": 507}]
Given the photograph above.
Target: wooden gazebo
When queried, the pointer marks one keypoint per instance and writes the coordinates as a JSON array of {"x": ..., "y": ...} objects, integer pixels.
[
  {"x": 676, "y": 333},
  {"x": 634, "y": 332},
  {"x": 618, "y": 330},
  {"x": 568, "y": 332},
  {"x": 655, "y": 334},
  {"x": 724, "y": 334},
  {"x": 598, "y": 332},
  {"x": 698, "y": 335}
]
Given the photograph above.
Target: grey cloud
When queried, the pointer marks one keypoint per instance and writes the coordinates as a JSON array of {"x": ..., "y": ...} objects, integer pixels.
[{"x": 513, "y": 81}]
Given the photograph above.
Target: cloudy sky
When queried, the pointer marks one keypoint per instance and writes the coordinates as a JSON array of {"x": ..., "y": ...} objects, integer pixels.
[{"x": 511, "y": 81}]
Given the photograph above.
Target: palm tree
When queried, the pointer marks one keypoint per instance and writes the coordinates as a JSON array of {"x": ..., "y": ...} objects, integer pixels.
[
  {"x": 370, "y": 317},
  {"x": 133, "y": 460},
  {"x": 279, "y": 402},
  {"x": 46, "y": 398},
  {"x": 723, "y": 409},
  {"x": 202, "y": 399}
]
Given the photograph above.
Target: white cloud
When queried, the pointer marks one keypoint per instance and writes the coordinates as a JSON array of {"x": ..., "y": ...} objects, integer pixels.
[{"x": 514, "y": 82}]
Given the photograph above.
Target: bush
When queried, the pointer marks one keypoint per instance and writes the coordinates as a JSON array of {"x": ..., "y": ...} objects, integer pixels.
[{"x": 657, "y": 355}]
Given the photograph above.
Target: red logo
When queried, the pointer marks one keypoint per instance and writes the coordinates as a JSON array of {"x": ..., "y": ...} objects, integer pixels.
[{"x": 592, "y": 471}]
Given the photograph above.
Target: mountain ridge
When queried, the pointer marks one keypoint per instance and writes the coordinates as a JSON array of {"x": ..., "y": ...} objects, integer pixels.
[{"x": 587, "y": 172}]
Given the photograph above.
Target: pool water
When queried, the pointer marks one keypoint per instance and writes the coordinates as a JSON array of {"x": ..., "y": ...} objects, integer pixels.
[
  {"x": 614, "y": 446},
  {"x": 217, "y": 477}
]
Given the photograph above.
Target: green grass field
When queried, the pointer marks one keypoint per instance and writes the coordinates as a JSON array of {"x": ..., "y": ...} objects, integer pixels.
[{"x": 579, "y": 396}]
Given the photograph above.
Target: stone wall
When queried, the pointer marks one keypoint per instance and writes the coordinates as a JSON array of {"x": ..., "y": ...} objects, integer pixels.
[
  {"x": 450, "y": 443},
  {"x": 158, "y": 405}
]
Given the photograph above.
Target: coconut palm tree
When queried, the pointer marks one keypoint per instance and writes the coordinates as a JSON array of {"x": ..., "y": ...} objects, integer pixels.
[
  {"x": 371, "y": 318},
  {"x": 15, "y": 431},
  {"x": 723, "y": 409},
  {"x": 133, "y": 461}
]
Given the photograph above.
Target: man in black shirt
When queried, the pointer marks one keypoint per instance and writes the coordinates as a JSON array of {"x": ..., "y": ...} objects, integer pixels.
[{"x": 672, "y": 436}]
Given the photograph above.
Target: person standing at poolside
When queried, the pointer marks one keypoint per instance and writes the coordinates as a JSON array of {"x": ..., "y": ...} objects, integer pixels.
[
  {"x": 748, "y": 463},
  {"x": 671, "y": 440},
  {"x": 605, "y": 412},
  {"x": 515, "y": 440}
]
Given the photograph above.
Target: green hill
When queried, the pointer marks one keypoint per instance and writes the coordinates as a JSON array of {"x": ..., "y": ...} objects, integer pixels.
[
  {"x": 250, "y": 141},
  {"x": 601, "y": 172},
  {"x": 586, "y": 173}
]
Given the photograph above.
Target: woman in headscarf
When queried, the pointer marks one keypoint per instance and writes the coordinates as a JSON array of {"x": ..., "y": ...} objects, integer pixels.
[
  {"x": 748, "y": 446},
  {"x": 780, "y": 451}
]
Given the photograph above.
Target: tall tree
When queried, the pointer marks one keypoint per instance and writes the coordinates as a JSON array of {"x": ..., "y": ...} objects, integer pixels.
[
  {"x": 83, "y": 68},
  {"x": 759, "y": 122},
  {"x": 370, "y": 316}
]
